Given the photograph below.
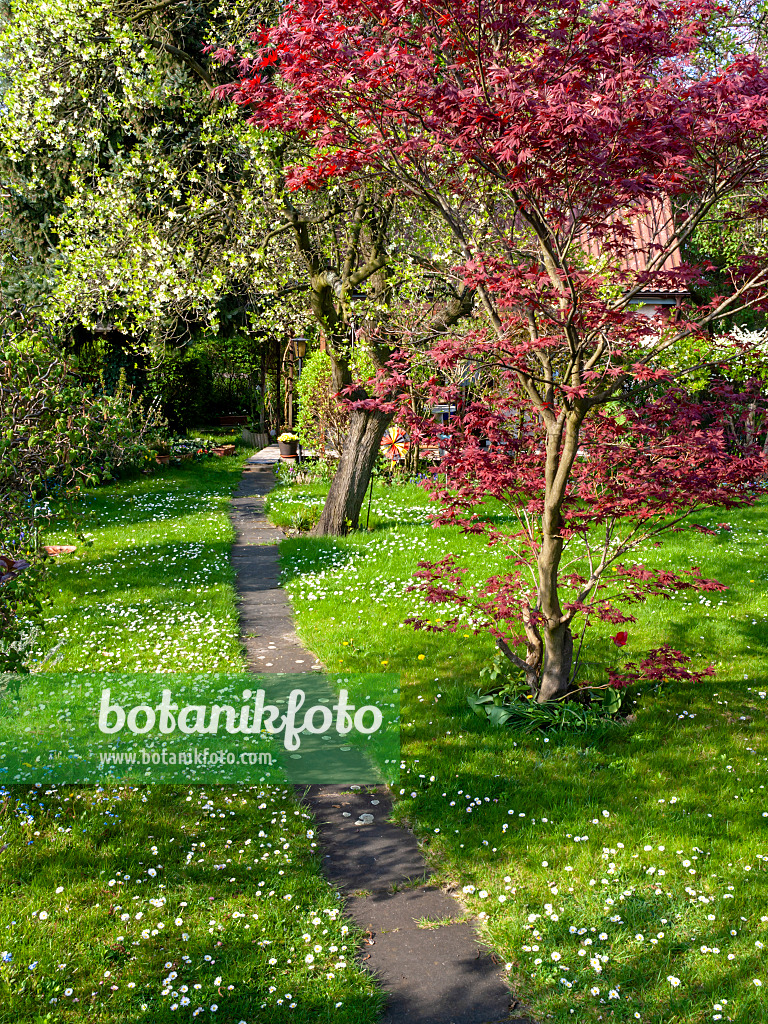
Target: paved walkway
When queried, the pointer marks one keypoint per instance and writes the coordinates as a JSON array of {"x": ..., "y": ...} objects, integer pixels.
[
  {"x": 266, "y": 619},
  {"x": 437, "y": 974}
]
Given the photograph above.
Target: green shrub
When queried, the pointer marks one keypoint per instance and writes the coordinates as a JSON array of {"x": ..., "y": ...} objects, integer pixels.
[
  {"x": 322, "y": 421},
  {"x": 56, "y": 435},
  {"x": 54, "y": 429},
  {"x": 20, "y": 610}
]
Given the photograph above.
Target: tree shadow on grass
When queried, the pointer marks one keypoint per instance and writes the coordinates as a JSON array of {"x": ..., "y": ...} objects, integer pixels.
[
  {"x": 631, "y": 769},
  {"x": 662, "y": 779},
  {"x": 754, "y": 634},
  {"x": 107, "y": 862},
  {"x": 302, "y": 555}
]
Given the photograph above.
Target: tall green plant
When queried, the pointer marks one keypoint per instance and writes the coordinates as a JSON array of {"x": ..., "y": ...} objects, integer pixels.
[
  {"x": 56, "y": 435},
  {"x": 322, "y": 420}
]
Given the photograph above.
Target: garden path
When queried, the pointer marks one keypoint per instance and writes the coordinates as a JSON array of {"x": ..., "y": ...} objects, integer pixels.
[{"x": 433, "y": 975}]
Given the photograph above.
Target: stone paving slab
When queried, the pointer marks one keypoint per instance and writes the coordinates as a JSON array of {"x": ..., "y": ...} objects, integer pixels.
[
  {"x": 433, "y": 975},
  {"x": 478, "y": 993},
  {"x": 263, "y": 536},
  {"x": 385, "y": 912},
  {"x": 266, "y": 617},
  {"x": 268, "y": 456},
  {"x": 363, "y": 858},
  {"x": 266, "y": 593},
  {"x": 436, "y": 975}
]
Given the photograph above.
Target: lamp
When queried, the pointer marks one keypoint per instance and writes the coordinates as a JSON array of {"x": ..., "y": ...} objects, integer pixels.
[{"x": 301, "y": 347}]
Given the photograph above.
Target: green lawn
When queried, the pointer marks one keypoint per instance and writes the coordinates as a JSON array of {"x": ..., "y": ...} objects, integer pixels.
[
  {"x": 154, "y": 904},
  {"x": 152, "y": 586},
  {"x": 622, "y": 874}
]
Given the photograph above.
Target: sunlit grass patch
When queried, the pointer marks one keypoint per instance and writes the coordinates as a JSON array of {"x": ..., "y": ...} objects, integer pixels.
[
  {"x": 621, "y": 874},
  {"x": 152, "y": 587},
  {"x": 163, "y": 903}
]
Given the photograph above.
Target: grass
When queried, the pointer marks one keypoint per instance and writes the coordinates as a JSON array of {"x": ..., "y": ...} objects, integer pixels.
[
  {"x": 622, "y": 874},
  {"x": 163, "y": 903},
  {"x": 151, "y": 584}
]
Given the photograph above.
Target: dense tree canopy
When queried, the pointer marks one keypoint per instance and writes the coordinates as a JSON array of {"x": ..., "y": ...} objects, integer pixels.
[
  {"x": 131, "y": 194},
  {"x": 569, "y": 150}
]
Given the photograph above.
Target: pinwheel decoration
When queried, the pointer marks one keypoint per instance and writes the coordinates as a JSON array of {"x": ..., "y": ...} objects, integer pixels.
[{"x": 394, "y": 443}]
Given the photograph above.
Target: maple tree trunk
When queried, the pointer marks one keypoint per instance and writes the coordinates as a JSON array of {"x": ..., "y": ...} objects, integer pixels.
[
  {"x": 558, "y": 639},
  {"x": 341, "y": 511},
  {"x": 558, "y": 659}
]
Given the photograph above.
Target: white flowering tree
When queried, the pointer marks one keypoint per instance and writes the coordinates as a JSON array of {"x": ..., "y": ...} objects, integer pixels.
[{"x": 132, "y": 195}]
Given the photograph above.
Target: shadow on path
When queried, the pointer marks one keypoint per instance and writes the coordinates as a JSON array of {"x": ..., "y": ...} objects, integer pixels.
[{"x": 419, "y": 944}]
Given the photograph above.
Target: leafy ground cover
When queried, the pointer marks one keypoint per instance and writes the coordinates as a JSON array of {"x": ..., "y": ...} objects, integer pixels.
[
  {"x": 622, "y": 873},
  {"x": 162, "y": 903}
]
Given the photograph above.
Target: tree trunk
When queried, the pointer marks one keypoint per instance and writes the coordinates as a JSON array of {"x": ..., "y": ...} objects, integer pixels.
[
  {"x": 558, "y": 658},
  {"x": 263, "y": 389},
  {"x": 341, "y": 512},
  {"x": 278, "y": 371},
  {"x": 558, "y": 639}
]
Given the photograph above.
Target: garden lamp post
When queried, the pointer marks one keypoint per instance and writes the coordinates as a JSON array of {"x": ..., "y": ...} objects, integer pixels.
[
  {"x": 300, "y": 344},
  {"x": 300, "y": 348}
]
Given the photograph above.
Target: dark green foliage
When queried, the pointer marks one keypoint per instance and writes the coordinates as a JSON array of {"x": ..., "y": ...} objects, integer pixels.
[
  {"x": 185, "y": 385},
  {"x": 57, "y": 434},
  {"x": 122, "y": 367},
  {"x": 212, "y": 377},
  {"x": 322, "y": 420}
]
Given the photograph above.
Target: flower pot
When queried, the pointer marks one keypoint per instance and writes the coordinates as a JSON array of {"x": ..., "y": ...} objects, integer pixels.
[
  {"x": 288, "y": 449},
  {"x": 163, "y": 460},
  {"x": 224, "y": 449}
]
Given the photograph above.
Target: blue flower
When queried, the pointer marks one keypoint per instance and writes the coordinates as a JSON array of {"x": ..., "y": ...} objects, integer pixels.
[
  {"x": 6, "y": 957},
  {"x": 33, "y": 965}
]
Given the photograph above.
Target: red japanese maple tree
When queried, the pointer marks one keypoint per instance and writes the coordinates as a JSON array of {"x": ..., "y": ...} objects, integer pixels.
[{"x": 571, "y": 150}]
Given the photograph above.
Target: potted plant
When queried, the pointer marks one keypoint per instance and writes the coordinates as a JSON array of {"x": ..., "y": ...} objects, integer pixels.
[
  {"x": 288, "y": 444},
  {"x": 223, "y": 450},
  {"x": 162, "y": 453}
]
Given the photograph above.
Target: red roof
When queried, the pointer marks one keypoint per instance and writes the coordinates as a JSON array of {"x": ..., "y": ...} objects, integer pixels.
[{"x": 653, "y": 230}]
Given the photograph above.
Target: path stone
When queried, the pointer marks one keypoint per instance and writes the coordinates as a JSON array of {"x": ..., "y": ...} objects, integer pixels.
[
  {"x": 266, "y": 619},
  {"x": 364, "y": 858},
  {"x": 420, "y": 945},
  {"x": 434, "y": 975}
]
